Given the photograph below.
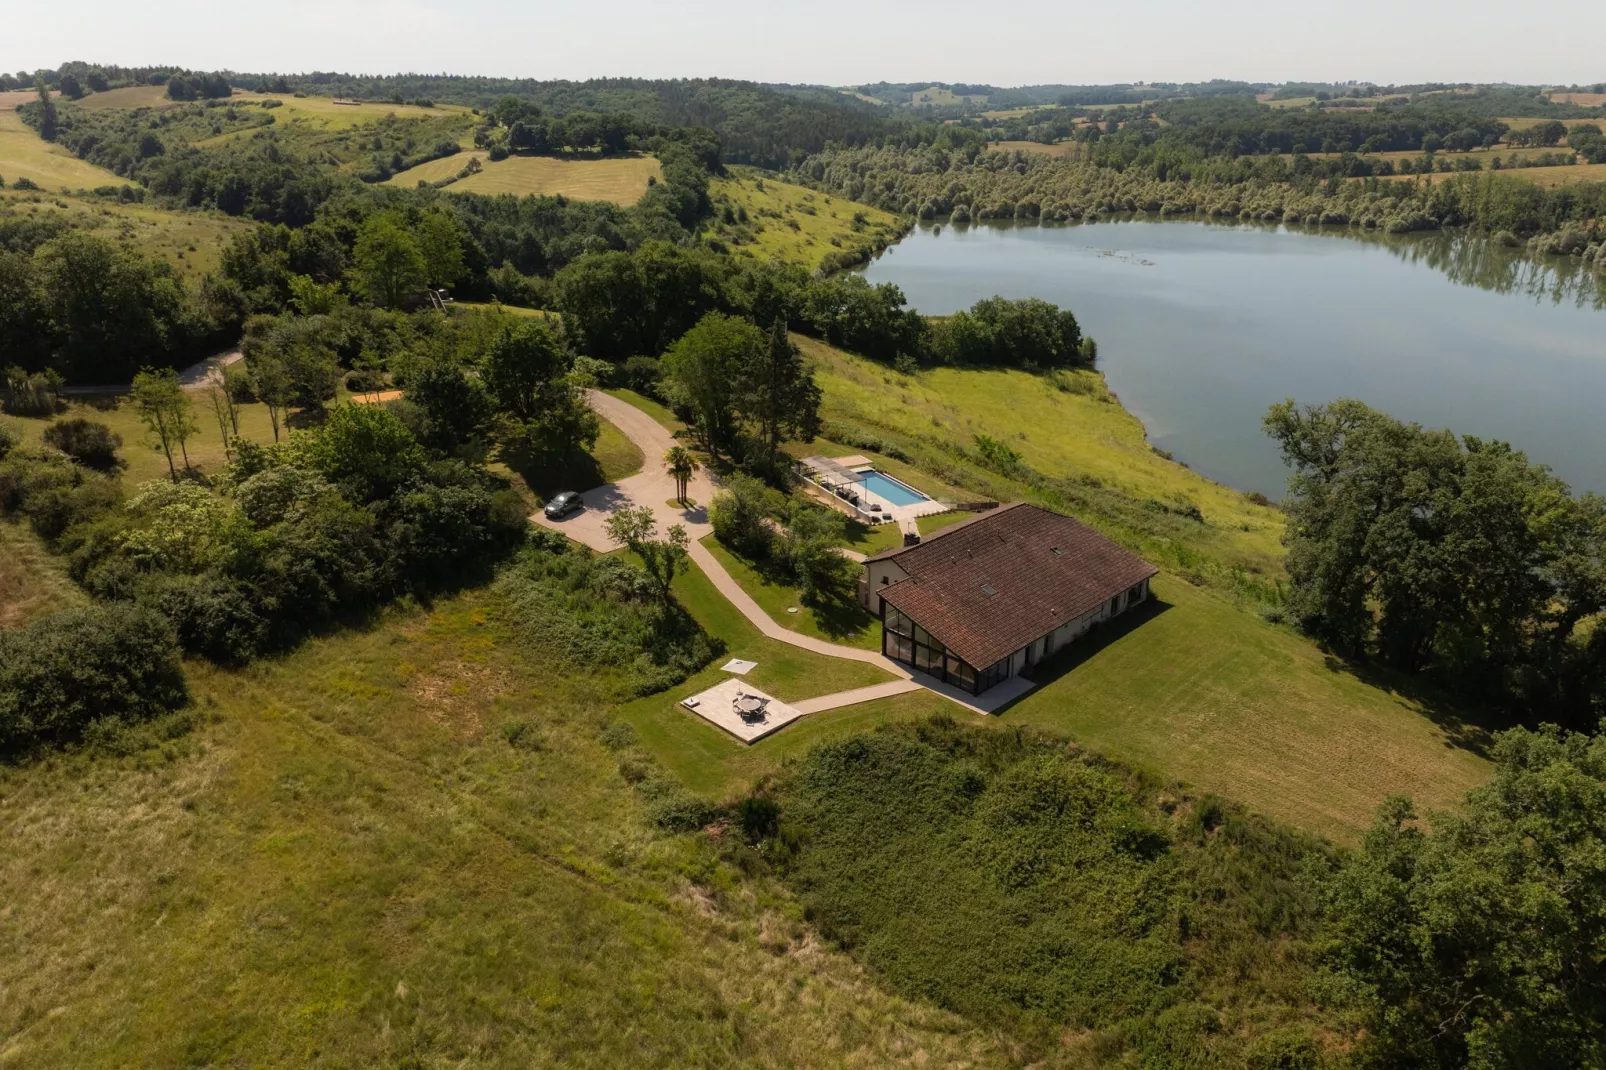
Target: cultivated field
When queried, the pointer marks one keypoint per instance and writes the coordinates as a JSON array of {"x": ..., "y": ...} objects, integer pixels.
[
  {"x": 788, "y": 222},
  {"x": 620, "y": 179},
  {"x": 1583, "y": 100},
  {"x": 128, "y": 97},
  {"x": 1547, "y": 177}
]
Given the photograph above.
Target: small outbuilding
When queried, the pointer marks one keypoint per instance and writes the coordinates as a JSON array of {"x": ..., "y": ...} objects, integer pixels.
[{"x": 979, "y": 602}]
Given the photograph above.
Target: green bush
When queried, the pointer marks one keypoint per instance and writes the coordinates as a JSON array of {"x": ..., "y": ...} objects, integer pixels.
[
  {"x": 68, "y": 670},
  {"x": 91, "y": 444}
]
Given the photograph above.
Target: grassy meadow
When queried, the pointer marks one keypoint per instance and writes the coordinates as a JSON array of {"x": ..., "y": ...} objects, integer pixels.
[
  {"x": 24, "y": 155},
  {"x": 347, "y": 863},
  {"x": 620, "y": 179},
  {"x": 437, "y": 170},
  {"x": 1069, "y": 427},
  {"x": 192, "y": 241},
  {"x": 790, "y": 222},
  {"x": 32, "y": 581},
  {"x": 1061, "y": 149}
]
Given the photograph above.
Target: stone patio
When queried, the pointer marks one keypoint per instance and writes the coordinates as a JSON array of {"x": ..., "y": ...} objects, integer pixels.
[{"x": 716, "y": 706}]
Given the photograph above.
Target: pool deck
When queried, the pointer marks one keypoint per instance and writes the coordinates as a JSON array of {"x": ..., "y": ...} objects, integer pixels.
[{"x": 889, "y": 511}]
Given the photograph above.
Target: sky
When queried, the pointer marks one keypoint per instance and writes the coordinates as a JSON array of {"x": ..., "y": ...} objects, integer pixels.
[{"x": 833, "y": 42}]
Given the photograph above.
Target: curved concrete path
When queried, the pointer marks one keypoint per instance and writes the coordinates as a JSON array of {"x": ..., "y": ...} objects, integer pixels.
[{"x": 654, "y": 487}]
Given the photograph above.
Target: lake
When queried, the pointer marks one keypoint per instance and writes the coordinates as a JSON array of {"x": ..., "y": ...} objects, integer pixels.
[{"x": 1201, "y": 327}]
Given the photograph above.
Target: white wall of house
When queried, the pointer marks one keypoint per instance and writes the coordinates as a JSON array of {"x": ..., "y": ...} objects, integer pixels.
[{"x": 879, "y": 574}]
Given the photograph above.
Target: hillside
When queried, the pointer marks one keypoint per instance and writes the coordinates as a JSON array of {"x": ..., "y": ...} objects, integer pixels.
[
  {"x": 623, "y": 180},
  {"x": 782, "y": 221}
]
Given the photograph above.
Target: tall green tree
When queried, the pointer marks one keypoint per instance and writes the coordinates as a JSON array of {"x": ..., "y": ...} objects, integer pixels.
[
  {"x": 543, "y": 414},
  {"x": 48, "y": 122},
  {"x": 1482, "y": 943},
  {"x": 1456, "y": 557},
  {"x": 775, "y": 390},
  {"x": 388, "y": 265},
  {"x": 702, "y": 371},
  {"x": 164, "y": 408}
]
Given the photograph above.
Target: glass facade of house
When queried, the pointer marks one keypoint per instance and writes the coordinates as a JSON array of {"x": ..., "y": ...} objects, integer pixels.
[{"x": 904, "y": 640}]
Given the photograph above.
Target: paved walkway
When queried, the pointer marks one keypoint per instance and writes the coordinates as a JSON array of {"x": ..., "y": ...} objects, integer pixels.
[
  {"x": 197, "y": 376},
  {"x": 653, "y": 486}
]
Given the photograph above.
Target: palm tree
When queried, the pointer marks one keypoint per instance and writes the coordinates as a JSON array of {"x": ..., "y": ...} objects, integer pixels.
[{"x": 681, "y": 465}]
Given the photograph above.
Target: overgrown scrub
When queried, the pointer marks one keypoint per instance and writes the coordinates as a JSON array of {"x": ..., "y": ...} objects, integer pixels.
[
  {"x": 69, "y": 670},
  {"x": 1013, "y": 879},
  {"x": 602, "y": 612}
]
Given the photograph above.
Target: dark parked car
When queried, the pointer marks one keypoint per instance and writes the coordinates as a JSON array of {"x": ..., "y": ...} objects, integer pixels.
[{"x": 562, "y": 505}]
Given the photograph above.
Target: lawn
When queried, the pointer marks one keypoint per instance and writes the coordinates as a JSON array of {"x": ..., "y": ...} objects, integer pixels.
[
  {"x": 32, "y": 582},
  {"x": 1080, "y": 432},
  {"x": 347, "y": 864},
  {"x": 703, "y": 757},
  {"x": 143, "y": 461},
  {"x": 620, "y": 179},
  {"x": 1193, "y": 690},
  {"x": 614, "y": 457},
  {"x": 839, "y": 620},
  {"x": 788, "y": 222},
  {"x": 661, "y": 413},
  {"x": 869, "y": 540}
]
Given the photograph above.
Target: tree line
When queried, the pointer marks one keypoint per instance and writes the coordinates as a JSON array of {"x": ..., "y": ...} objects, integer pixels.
[{"x": 1451, "y": 558}]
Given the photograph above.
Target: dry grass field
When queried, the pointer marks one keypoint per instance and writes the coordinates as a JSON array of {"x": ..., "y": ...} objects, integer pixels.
[
  {"x": 620, "y": 179},
  {"x": 1583, "y": 100},
  {"x": 1524, "y": 124},
  {"x": 128, "y": 97},
  {"x": 24, "y": 155},
  {"x": 32, "y": 581},
  {"x": 1546, "y": 177},
  {"x": 191, "y": 241},
  {"x": 1062, "y": 150},
  {"x": 437, "y": 170}
]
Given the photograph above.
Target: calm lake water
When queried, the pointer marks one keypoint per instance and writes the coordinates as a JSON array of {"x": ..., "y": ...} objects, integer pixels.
[{"x": 1201, "y": 327}]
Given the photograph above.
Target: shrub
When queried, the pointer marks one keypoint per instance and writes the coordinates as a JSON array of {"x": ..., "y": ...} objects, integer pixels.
[
  {"x": 67, "y": 670},
  {"x": 91, "y": 444},
  {"x": 739, "y": 515},
  {"x": 29, "y": 393},
  {"x": 7, "y": 440}
]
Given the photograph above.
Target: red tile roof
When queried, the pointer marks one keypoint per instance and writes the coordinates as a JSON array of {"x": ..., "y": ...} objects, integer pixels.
[{"x": 989, "y": 586}]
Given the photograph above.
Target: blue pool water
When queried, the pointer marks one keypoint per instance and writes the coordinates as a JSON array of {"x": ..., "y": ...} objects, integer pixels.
[{"x": 891, "y": 490}]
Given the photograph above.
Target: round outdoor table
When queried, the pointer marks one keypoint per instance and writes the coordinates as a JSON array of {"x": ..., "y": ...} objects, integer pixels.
[{"x": 749, "y": 704}]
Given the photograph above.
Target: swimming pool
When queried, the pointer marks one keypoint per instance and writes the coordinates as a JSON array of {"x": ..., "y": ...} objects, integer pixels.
[{"x": 891, "y": 490}]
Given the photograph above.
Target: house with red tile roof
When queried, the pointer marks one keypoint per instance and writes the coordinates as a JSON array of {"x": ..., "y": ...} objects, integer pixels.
[{"x": 986, "y": 599}]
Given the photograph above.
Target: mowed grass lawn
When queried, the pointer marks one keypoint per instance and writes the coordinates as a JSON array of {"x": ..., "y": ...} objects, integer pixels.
[
  {"x": 347, "y": 864},
  {"x": 1191, "y": 689},
  {"x": 436, "y": 170},
  {"x": 620, "y": 179},
  {"x": 839, "y": 620},
  {"x": 1080, "y": 433},
  {"x": 789, "y": 222}
]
